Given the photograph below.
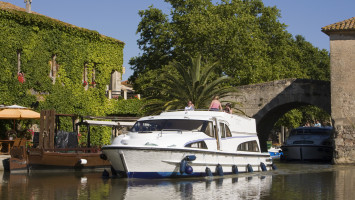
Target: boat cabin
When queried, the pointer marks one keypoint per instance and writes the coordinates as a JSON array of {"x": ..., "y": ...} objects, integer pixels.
[{"x": 208, "y": 130}]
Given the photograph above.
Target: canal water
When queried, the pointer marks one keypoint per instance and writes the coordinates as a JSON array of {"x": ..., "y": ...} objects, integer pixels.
[{"x": 289, "y": 181}]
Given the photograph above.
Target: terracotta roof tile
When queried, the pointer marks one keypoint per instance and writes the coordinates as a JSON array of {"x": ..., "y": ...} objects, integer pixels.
[
  {"x": 346, "y": 25},
  {"x": 9, "y": 6},
  {"x": 126, "y": 83}
]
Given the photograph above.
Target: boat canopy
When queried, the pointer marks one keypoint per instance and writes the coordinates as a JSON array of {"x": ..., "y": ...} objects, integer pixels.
[{"x": 236, "y": 123}]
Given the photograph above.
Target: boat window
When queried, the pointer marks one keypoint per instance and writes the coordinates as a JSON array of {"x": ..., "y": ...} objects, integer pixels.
[
  {"x": 311, "y": 131},
  {"x": 249, "y": 146},
  {"x": 228, "y": 131},
  {"x": 303, "y": 142},
  {"x": 225, "y": 130},
  {"x": 207, "y": 128},
  {"x": 199, "y": 145},
  {"x": 174, "y": 124}
]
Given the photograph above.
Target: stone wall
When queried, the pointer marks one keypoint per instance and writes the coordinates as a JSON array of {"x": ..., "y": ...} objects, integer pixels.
[
  {"x": 342, "y": 62},
  {"x": 342, "y": 51},
  {"x": 344, "y": 141}
]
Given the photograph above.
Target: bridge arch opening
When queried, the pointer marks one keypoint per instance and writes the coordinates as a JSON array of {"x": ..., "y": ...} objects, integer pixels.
[
  {"x": 270, "y": 117},
  {"x": 268, "y": 102}
]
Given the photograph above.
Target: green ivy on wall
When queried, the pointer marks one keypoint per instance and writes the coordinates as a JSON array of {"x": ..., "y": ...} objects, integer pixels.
[
  {"x": 38, "y": 38},
  {"x": 129, "y": 107}
]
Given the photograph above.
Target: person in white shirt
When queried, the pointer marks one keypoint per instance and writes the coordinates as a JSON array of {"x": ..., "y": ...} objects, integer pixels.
[
  {"x": 317, "y": 124},
  {"x": 190, "y": 106}
]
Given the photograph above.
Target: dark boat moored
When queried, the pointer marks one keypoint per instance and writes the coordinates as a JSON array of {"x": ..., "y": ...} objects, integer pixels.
[{"x": 309, "y": 144}]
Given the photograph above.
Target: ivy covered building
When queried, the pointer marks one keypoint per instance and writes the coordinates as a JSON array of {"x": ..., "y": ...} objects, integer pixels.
[{"x": 59, "y": 65}]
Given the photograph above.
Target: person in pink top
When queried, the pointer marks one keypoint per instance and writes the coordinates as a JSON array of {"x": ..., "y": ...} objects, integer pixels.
[{"x": 215, "y": 104}]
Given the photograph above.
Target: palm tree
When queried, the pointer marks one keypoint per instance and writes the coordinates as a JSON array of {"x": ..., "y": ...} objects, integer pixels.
[{"x": 194, "y": 82}]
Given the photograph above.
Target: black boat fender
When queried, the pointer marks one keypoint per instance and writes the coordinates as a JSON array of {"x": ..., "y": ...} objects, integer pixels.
[
  {"x": 249, "y": 168},
  {"x": 263, "y": 167},
  {"x": 219, "y": 170},
  {"x": 235, "y": 169},
  {"x": 208, "y": 171}
]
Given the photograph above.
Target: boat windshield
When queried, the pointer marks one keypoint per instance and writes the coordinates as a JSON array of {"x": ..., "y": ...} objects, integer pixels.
[
  {"x": 174, "y": 124},
  {"x": 311, "y": 131}
]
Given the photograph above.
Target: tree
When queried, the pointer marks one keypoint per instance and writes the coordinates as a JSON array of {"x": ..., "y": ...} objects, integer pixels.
[
  {"x": 298, "y": 117},
  {"x": 245, "y": 36},
  {"x": 195, "y": 82}
]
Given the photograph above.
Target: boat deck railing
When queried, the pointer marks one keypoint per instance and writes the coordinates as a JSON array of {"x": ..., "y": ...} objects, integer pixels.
[
  {"x": 69, "y": 150},
  {"x": 238, "y": 112}
]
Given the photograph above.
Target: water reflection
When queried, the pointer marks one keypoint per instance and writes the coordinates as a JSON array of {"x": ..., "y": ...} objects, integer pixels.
[
  {"x": 51, "y": 186},
  {"x": 229, "y": 187},
  {"x": 290, "y": 181}
]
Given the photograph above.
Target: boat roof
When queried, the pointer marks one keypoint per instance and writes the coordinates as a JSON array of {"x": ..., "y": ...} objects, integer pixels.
[
  {"x": 203, "y": 115},
  {"x": 314, "y": 128},
  {"x": 108, "y": 123},
  {"x": 236, "y": 123}
]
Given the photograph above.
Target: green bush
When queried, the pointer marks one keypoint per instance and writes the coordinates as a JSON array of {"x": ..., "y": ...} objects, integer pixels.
[{"x": 129, "y": 107}]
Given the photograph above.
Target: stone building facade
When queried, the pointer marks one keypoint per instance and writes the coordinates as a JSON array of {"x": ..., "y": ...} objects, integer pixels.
[{"x": 342, "y": 63}]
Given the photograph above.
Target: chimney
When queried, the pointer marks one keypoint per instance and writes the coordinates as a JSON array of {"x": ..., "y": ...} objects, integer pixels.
[{"x": 28, "y": 5}]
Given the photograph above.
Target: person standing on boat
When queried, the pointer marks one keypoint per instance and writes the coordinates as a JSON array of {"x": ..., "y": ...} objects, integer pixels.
[
  {"x": 307, "y": 124},
  {"x": 228, "y": 108},
  {"x": 190, "y": 106},
  {"x": 215, "y": 104},
  {"x": 317, "y": 124}
]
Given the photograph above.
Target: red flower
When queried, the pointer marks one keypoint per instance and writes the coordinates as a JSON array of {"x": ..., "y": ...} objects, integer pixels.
[
  {"x": 85, "y": 83},
  {"x": 20, "y": 77},
  {"x": 30, "y": 131}
]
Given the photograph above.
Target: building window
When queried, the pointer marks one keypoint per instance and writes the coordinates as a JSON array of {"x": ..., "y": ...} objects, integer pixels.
[
  {"x": 89, "y": 75},
  {"x": 93, "y": 77},
  {"x": 18, "y": 61},
  {"x": 54, "y": 68},
  {"x": 85, "y": 76}
]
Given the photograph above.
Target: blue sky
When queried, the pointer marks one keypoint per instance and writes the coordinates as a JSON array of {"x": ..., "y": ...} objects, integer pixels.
[{"x": 119, "y": 18}]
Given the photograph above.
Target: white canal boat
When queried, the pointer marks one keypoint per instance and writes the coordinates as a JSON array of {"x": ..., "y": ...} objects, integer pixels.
[
  {"x": 188, "y": 143},
  {"x": 309, "y": 144}
]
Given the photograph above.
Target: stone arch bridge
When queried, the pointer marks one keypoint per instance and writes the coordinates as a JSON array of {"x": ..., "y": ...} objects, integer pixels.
[{"x": 267, "y": 102}]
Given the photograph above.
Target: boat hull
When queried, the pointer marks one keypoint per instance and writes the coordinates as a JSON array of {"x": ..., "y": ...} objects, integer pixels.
[
  {"x": 135, "y": 162},
  {"x": 37, "y": 159},
  {"x": 307, "y": 153}
]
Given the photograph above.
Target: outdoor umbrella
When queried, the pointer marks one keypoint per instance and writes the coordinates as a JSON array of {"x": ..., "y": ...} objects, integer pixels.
[{"x": 18, "y": 112}]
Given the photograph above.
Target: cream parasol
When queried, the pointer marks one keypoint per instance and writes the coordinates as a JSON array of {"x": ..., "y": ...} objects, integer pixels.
[{"x": 18, "y": 112}]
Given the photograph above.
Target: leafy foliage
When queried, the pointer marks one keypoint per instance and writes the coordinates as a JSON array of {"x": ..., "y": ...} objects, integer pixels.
[
  {"x": 194, "y": 82},
  {"x": 129, "y": 107},
  {"x": 37, "y": 39},
  {"x": 245, "y": 36},
  {"x": 298, "y": 117}
]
